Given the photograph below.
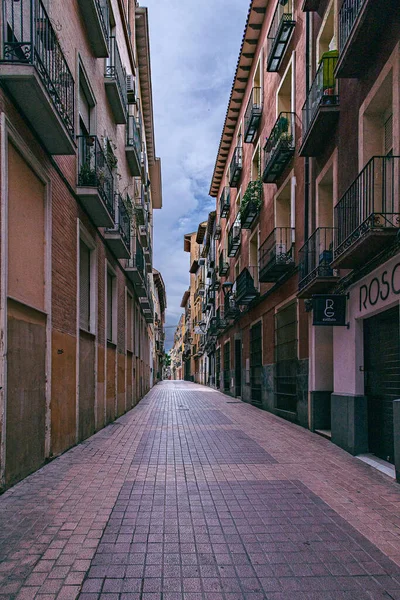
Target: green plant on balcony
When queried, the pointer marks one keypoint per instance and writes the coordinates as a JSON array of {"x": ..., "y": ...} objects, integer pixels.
[{"x": 253, "y": 195}]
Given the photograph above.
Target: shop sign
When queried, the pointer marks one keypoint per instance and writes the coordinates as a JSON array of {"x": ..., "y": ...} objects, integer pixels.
[{"x": 329, "y": 310}]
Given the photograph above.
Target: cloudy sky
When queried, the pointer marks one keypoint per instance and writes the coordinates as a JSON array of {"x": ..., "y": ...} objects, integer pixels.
[{"x": 194, "y": 51}]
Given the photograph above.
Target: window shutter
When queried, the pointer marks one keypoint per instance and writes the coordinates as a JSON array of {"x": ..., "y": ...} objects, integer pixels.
[
  {"x": 389, "y": 135},
  {"x": 84, "y": 286}
]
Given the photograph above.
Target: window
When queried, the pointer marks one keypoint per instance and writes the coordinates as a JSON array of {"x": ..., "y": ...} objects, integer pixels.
[
  {"x": 256, "y": 164},
  {"x": 84, "y": 286},
  {"x": 86, "y": 105},
  {"x": 253, "y": 257},
  {"x": 327, "y": 39},
  {"x": 286, "y": 358},
  {"x": 129, "y": 323},
  {"x": 256, "y": 362},
  {"x": 111, "y": 306},
  {"x": 284, "y": 94}
]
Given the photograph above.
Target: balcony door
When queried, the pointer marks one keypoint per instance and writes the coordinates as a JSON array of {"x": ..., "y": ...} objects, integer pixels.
[{"x": 238, "y": 368}]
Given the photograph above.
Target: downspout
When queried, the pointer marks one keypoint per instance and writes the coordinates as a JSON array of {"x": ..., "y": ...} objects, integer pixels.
[{"x": 307, "y": 160}]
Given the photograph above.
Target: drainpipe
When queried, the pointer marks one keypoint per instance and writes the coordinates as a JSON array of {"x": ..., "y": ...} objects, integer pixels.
[{"x": 307, "y": 160}]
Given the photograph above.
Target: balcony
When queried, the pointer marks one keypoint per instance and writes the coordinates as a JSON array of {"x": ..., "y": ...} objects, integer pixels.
[
  {"x": 217, "y": 232},
  {"x": 143, "y": 232},
  {"x": 361, "y": 22},
  {"x": 367, "y": 216},
  {"x": 215, "y": 283},
  {"x": 252, "y": 115},
  {"x": 235, "y": 168},
  {"x": 115, "y": 82},
  {"x": 133, "y": 146},
  {"x": 148, "y": 255},
  {"x": 276, "y": 255},
  {"x": 140, "y": 206},
  {"x": 34, "y": 70},
  {"x": 279, "y": 35},
  {"x": 316, "y": 276},
  {"x": 119, "y": 237},
  {"x": 231, "y": 309},
  {"x": 321, "y": 109},
  {"x": 234, "y": 238},
  {"x": 251, "y": 204},
  {"x": 225, "y": 203},
  {"x": 279, "y": 148},
  {"x": 95, "y": 181},
  {"x": 210, "y": 299},
  {"x": 246, "y": 290},
  {"x": 223, "y": 266},
  {"x": 199, "y": 292},
  {"x": 136, "y": 271},
  {"x": 96, "y": 16},
  {"x": 147, "y": 306},
  {"x": 221, "y": 322}
]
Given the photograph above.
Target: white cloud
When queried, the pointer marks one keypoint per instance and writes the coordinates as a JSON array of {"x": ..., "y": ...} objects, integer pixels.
[{"x": 194, "y": 50}]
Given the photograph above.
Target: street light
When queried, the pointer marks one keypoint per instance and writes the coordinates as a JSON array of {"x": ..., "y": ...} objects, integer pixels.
[{"x": 227, "y": 287}]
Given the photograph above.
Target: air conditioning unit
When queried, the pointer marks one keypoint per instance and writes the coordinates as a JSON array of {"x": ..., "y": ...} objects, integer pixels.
[{"x": 131, "y": 89}]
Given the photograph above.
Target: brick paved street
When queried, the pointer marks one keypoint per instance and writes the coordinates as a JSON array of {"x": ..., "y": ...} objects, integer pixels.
[{"x": 195, "y": 496}]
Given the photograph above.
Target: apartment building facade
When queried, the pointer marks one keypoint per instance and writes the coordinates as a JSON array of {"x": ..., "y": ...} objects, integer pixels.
[
  {"x": 306, "y": 183},
  {"x": 79, "y": 182},
  {"x": 160, "y": 305},
  {"x": 176, "y": 352}
]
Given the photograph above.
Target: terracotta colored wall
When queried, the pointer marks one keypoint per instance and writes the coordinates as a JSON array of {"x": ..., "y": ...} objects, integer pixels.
[
  {"x": 100, "y": 387},
  {"x": 111, "y": 400},
  {"x": 63, "y": 392},
  {"x": 121, "y": 396},
  {"x": 86, "y": 385}
]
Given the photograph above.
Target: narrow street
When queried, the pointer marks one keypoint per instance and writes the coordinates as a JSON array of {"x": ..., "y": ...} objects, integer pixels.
[{"x": 194, "y": 495}]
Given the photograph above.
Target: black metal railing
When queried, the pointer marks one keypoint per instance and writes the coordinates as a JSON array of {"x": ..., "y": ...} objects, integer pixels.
[
  {"x": 217, "y": 232},
  {"x": 246, "y": 285},
  {"x": 102, "y": 7},
  {"x": 235, "y": 168},
  {"x": 115, "y": 69},
  {"x": 220, "y": 318},
  {"x": 315, "y": 256},
  {"x": 94, "y": 170},
  {"x": 252, "y": 115},
  {"x": 279, "y": 34},
  {"x": 137, "y": 261},
  {"x": 277, "y": 250},
  {"x": 199, "y": 292},
  {"x": 29, "y": 38},
  {"x": 279, "y": 147},
  {"x": 122, "y": 220},
  {"x": 348, "y": 15},
  {"x": 251, "y": 204},
  {"x": 371, "y": 202},
  {"x": 324, "y": 91},
  {"x": 225, "y": 202},
  {"x": 231, "y": 309},
  {"x": 133, "y": 135},
  {"x": 234, "y": 238},
  {"x": 223, "y": 265}
]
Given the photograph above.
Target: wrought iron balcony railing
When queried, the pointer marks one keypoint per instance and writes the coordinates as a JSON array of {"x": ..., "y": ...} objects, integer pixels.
[
  {"x": 276, "y": 254},
  {"x": 94, "y": 170},
  {"x": 231, "y": 309},
  {"x": 246, "y": 289},
  {"x": 251, "y": 204},
  {"x": 119, "y": 236},
  {"x": 315, "y": 257},
  {"x": 369, "y": 208},
  {"x": 324, "y": 92},
  {"x": 96, "y": 15},
  {"x": 348, "y": 15},
  {"x": 225, "y": 203},
  {"x": 235, "y": 168},
  {"x": 133, "y": 145},
  {"x": 217, "y": 232},
  {"x": 116, "y": 72},
  {"x": 200, "y": 291},
  {"x": 223, "y": 265},
  {"x": 279, "y": 147},
  {"x": 221, "y": 322},
  {"x": 279, "y": 34},
  {"x": 252, "y": 115},
  {"x": 29, "y": 38},
  {"x": 234, "y": 238}
]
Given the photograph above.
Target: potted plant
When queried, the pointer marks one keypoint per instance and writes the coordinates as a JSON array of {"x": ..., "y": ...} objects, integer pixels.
[{"x": 252, "y": 196}]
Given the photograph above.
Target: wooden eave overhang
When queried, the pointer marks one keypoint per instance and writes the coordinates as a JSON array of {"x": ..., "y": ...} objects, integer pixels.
[
  {"x": 185, "y": 298},
  {"x": 201, "y": 232},
  {"x": 250, "y": 40},
  {"x": 143, "y": 57}
]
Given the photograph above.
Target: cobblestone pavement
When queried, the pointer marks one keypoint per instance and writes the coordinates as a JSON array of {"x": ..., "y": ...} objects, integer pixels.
[{"x": 193, "y": 496}]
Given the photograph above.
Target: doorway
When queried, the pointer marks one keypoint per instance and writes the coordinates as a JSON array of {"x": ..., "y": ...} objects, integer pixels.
[{"x": 382, "y": 379}]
